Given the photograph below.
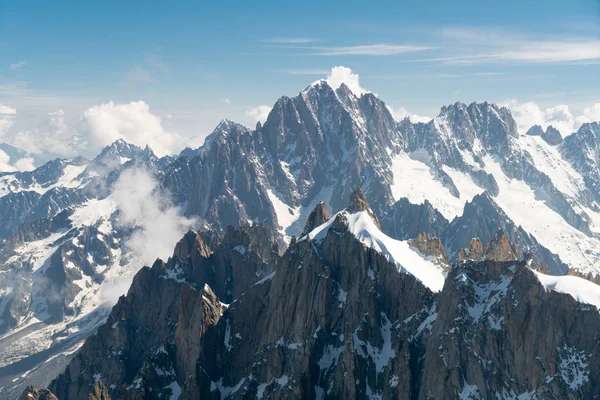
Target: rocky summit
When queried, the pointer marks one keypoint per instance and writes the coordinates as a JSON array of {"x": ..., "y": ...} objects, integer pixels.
[{"x": 329, "y": 252}]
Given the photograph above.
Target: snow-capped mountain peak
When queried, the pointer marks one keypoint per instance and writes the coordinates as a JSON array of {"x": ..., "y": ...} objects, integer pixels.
[{"x": 359, "y": 220}]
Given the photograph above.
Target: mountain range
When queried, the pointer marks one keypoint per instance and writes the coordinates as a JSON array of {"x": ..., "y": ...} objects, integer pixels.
[{"x": 444, "y": 283}]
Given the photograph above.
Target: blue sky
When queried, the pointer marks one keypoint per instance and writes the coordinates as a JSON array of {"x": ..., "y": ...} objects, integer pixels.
[{"x": 195, "y": 63}]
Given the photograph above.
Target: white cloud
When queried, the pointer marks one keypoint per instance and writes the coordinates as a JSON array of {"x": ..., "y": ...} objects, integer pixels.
[
  {"x": 400, "y": 113},
  {"x": 553, "y": 51},
  {"x": 592, "y": 113},
  {"x": 142, "y": 204},
  {"x": 493, "y": 45},
  {"x": 5, "y": 163},
  {"x": 53, "y": 137},
  {"x": 529, "y": 113},
  {"x": 7, "y": 115},
  {"x": 340, "y": 74},
  {"x": 97, "y": 127},
  {"x": 259, "y": 113},
  {"x": 23, "y": 164},
  {"x": 6, "y": 110},
  {"x": 158, "y": 224},
  {"x": 226, "y": 101},
  {"x": 18, "y": 65},
  {"x": 132, "y": 122}
]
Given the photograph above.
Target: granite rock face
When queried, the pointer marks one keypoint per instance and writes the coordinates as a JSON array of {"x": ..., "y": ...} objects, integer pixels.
[
  {"x": 358, "y": 203},
  {"x": 473, "y": 252},
  {"x": 406, "y": 220},
  {"x": 333, "y": 318},
  {"x": 499, "y": 331},
  {"x": 32, "y": 393},
  {"x": 499, "y": 248},
  {"x": 552, "y": 136},
  {"x": 483, "y": 218},
  {"x": 153, "y": 335},
  {"x": 429, "y": 247},
  {"x": 316, "y": 217}
]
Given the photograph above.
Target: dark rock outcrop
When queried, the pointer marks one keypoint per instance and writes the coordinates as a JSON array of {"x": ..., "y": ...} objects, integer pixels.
[
  {"x": 358, "y": 203},
  {"x": 535, "y": 130},
  {"x": 482, "y": 218},
  {"x": 32, "y": 393},
  {"x": 99, "y": 392},
  {"x": 405, "y": 220},
  {"x": 498, "y": 330},
  {"x": 552, "y": 136},
  {"x": 316, "y": 217},
  {"x": 473, "y": 252},
  {"x": 499, "y": 248},
  {"x": 431, "y": 247}
]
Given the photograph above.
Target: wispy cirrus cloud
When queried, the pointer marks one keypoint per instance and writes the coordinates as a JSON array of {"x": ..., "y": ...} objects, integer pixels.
[
  {"x": 18, "y": 65},
  {"x": 555, "y": 52},
  {"x": 379, "y": 49},
  {"x": 376, "y": 49},
  {"x": 499, "y": 46},
  {"x": 443, "y": 76},
  {"x": 289, "y": 40}
]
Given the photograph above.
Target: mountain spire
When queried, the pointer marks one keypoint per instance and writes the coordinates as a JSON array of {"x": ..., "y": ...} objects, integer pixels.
[
  {"x": 317, "y": 217},
  {"x": 501, "y": 249},
  {"x": 358, "y": 203}
]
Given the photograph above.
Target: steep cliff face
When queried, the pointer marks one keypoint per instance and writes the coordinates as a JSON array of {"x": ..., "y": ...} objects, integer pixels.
[
  {"x": 346, "y": 312},
  {"x": 152, "y": 336},
  {"x": 317, "y": 217},
  {"x": 405, "y": 220},
  {"x": 328, "y": 323},
  {"x": 429, "y": 246},
  {"x": 501, "y": 333}
]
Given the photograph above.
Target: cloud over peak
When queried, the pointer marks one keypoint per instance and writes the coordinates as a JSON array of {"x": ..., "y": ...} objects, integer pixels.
[
  {"x": 132, "y": 122},
  {"x": 401, "y": 113},
  {"x": 341, "y": 74},
  {"x": 258, "y": 113},
  {"x": 530, "y": 113}
]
